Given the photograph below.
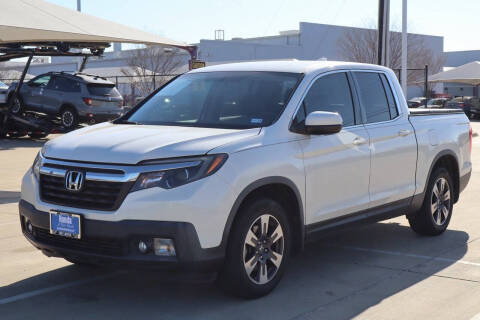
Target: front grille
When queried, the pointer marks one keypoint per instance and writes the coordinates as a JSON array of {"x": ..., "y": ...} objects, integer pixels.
[
  {"x": 96, "y": 195},
  {"x": 104, "y": 246}
]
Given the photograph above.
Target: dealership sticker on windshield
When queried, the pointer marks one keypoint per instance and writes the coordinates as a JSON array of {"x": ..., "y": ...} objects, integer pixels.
[{"x": 256, "y": 120}]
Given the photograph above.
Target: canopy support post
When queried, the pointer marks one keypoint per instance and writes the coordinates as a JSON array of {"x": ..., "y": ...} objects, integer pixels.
[
  {"x": 24, "y": 73},
  {"x": 426, "y": 81},
  {"x": 84, "y": 62}
]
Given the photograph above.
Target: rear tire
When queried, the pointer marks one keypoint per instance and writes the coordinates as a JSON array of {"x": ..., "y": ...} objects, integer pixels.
[
  {"x": 69, "y": 118},
  {"x": 434, "y": 216},
  {"x": 256, "y": 256}
]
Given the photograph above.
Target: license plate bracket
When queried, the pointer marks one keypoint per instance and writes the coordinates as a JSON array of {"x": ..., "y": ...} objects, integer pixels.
[{"x": 65, "y": 224}]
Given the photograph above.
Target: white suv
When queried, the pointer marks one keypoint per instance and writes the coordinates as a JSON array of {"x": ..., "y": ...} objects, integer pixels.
[{"x": 233, "y": 167}]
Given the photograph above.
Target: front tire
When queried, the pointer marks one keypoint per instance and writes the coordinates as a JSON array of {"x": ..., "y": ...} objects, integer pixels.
[
  {"x": 257, "y": 250},
  {"x": 15, "y": 105},
  {"x": 434, "y": 216}
]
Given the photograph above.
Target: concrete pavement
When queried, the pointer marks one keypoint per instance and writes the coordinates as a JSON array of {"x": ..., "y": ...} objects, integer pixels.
[{"x": 379, "y": 271}]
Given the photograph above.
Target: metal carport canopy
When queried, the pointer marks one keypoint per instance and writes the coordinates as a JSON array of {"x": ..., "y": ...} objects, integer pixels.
[
  {"x": 34, "y": 21},
  {"x": 468, "y": 73}
]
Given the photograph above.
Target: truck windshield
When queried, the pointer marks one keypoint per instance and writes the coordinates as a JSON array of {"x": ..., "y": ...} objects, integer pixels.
[{"x": 235, "y": 100}]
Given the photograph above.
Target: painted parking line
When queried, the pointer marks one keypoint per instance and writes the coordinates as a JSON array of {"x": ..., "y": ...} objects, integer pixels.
[
  {"x": 403, "y": 254},
  {"x": 33, "y": 293}
]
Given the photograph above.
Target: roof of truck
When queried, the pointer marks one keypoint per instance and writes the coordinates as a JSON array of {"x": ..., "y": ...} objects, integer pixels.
[{"x": 294, "y": 66}]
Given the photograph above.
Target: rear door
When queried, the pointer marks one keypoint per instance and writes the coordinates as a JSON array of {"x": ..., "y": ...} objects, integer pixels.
[
  {"x": 59, "y": 91},
  {"x": 392, "y": 140},
  {"x": 337, "y": 166}
]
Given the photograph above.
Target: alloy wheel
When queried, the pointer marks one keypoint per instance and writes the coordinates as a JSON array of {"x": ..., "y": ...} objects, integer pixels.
[
  {"x": 440, "y": 201},
  {"x": 67, "y": 118},
  {"x": 263, "y": 249},
  {"x": 16, "y": 105}
]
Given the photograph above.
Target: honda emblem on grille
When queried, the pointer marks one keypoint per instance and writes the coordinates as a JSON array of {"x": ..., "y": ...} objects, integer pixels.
[{"x": 74, "y": 180}]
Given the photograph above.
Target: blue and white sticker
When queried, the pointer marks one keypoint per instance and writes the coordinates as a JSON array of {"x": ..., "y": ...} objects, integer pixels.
[{"x": 256, "y": 120}]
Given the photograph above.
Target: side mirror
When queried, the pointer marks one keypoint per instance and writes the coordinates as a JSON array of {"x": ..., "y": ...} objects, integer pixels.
[{"x": 322, "y": 122}]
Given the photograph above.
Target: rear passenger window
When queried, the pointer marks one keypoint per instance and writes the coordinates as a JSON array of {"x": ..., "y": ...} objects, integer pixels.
[
  {"x": 331, "y": 93},
  {"x": 65, "y": 85},
  {"x": 391, "y": 100},
  {"x": 372, "y": 96}
]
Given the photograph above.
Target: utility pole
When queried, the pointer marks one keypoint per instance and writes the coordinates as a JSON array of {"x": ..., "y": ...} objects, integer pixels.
[
  {"x": 383, "y": 54},
  {"x": 404, "y": 48},
  {"x": 79, "y": 5}
]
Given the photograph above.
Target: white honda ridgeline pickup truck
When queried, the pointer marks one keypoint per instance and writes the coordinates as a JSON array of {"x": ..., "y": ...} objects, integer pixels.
[{"x": 233, "y": 167}]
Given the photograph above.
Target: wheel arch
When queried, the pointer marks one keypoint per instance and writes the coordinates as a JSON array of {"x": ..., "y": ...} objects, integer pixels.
[
  {"x": 445, "y": 158},
  {"x": 279, "y": 188},
  {"x": 66, "y": 105}
]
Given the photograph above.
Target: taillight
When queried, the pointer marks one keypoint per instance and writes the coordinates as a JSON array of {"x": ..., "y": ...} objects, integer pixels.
[
  {"x": 88, "y": 101},
  {"x": 461, "y": 105},
  {"x": 470, "y": 133}
]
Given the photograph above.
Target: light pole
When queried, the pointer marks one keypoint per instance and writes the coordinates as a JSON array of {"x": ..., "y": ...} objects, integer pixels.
[
  {"x": 79, "y": 5},
  {"x": 404, "y": 48},
  {"x": 383, "y": 32}
]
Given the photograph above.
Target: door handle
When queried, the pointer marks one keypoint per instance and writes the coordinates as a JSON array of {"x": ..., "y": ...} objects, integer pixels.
[
  {"x": 359, "y": 141},
  {"x": 404, "y": 132}
]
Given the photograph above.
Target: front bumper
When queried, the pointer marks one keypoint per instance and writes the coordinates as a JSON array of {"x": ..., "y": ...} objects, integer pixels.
[{"x": 116, "y": 242}]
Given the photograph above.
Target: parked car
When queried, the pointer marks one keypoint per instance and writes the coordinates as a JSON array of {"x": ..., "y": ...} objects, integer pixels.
[
  {"x": 234, "y": 167},
  {"x": 417, "y": 102},
  {"x": 3, "y": 93},
  {"x": 74, "y": 98},
  {"x": 470, "y": 105},
  {"x": 437, "y": 103}
]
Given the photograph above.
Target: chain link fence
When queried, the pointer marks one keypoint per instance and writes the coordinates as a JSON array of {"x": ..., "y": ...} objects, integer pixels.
[{"x": 417, "y": 83}]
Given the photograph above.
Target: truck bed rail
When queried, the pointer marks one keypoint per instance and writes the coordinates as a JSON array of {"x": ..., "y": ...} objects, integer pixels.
[{"x": 432, "y": 111}]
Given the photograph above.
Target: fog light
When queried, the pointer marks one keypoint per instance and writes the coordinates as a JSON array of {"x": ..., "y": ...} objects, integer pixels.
[
  {"x": 163, "y": 247},
  {"x": 29, "y": 227},
  {"x": 142, "y": 247}
]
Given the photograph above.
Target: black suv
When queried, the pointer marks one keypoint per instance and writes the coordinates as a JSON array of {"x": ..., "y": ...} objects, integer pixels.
[{"x": 74, "y": 98}]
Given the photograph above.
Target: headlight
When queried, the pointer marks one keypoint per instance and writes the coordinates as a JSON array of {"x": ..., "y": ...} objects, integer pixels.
[
  {"x": 37, "y": 163},
  {"x": 173, "y": 178}
]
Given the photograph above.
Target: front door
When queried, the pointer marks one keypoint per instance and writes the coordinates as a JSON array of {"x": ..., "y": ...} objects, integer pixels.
[
  {"x": 34, "y": 96},
  {"x": 337, "y": 166}
]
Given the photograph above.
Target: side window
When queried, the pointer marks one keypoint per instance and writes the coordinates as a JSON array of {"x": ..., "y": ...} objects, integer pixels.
[
  {"x": 65, "y": 85},
  {"x": 41, "y": 81},
  {"x": 330, "y": 93},
  {"x": 372, "y": 96},
  {"x": 391, "y": 100}
]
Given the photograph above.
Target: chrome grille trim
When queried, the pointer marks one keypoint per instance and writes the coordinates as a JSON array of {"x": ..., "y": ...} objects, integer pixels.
[
  {"x": 53, "y": 171},
  {"x": 130, "y": 173}
]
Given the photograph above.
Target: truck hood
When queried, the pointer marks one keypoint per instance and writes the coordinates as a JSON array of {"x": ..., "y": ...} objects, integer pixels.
[{"x": 130, "y": 144}]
